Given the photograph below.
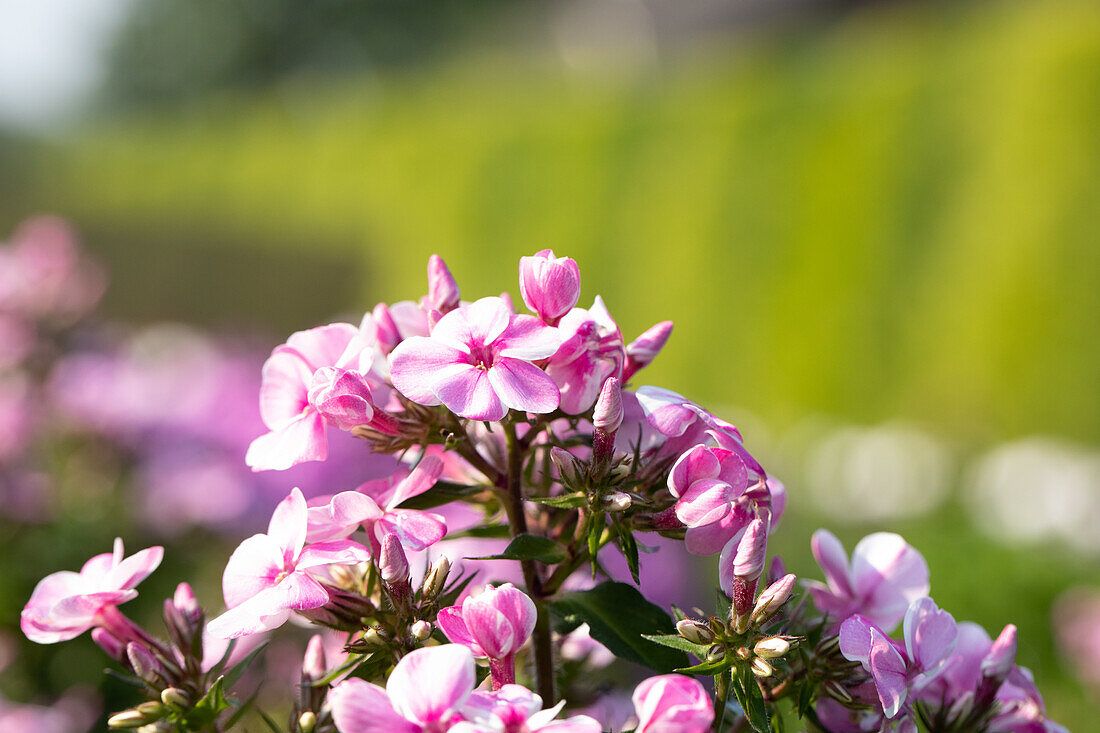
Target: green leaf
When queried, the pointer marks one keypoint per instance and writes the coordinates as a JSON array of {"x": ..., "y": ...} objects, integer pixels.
[
  {"x": 440, "y": 494},
  {"x": 675, "y": 641},
  {"x": 566, "y": 501},
  {"x": 595, "y": 532},
  {"x": 495, "y": 531},
  {"x": 805, "y": 697},
  {"x": 707, "y": 668},
  {"x": 207, "y": 710},
  {"x": 751, "y": 699},
  {"x": 234, "y": 674},
  {"x": 530, "y": 547},
  {"x": 619, "y": 617}
]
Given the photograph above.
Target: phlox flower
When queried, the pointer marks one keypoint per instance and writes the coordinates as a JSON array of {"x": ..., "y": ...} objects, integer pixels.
[
  {"x": 477, "y": 362},
  {"x": 374, "y": 505},
  {"x": 672, "y": 703},
  {"x": 885, "y": 575},
  {"x": 318, "y": 376},
  {"x": 267, "y": 576},
  {"x": 66, "y": 604},
  {"x": 423, "y": 694},
  {"x": 494, "y": 624},
  {"x": 591, "y": 352},
  {"x": 550, "y": 285},
  {"x": 710, "y": 486},
  {"x": 515, "y": 709}
]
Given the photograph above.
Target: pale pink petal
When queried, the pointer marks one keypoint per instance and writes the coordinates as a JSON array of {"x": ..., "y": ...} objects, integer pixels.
[
  {"x": 711, "y": 538},
  {"x": 300, "y": 592},
  {"x": 415, "y": 363},
  {"x": 252, "y": 568},
  {"x": 856, "y": 638},
  {"x": 490, "y": 627},
  {"x": 704, "y": 502},
  {"x": 487, "y": 319},
  {"x": 428, "y": 685},
  {"x": 466, "y": 391},
  {"x": 262, "y": 612},
  {"x": 100, "y": 566},
  {"x": 930, "y": 634},
  {"x": 665, "y": 410},
  {"x": 415, "y": 529},
  {"x": 889, "y": 574},
  {"x": 529, "y": 339},
  {"x": 341, "y": 516},
  {"x": 296, "y": 442},
  {"x": 342, "y": 552},
  {"x": 830, "y": 555},
  {"x": 422, "y": 478},
  {"x": 136, "y": 568},
  {"x": 574, "y": 724},
  {"x": 287, "y": 527},
  {"x": 889, "y": 673},
  {"x": 733, "y": 470},
  {"x": 454, "y": 628},
  {"x": 697, "y": 463},
  {"x": 523, "y": 386},
  {"x": 360, "y": 707},
  {"x": 284, "y": 389},
  {"x": 518, "y": 607},
  {"x": 322, "y": 346}
]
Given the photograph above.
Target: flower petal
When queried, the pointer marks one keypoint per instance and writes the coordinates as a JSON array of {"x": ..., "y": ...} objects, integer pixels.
[
  {"x": 705, "y": 502},
  {"x": 522, "y": 386},
  {"x": 298, "y": 441},
  {"x": 252, "y": 568},
  {"x": 467, "y": 392},
  {"x": 415, "y": 529},
  {"x": 336, "y": 552},
  {"x": 529, "y": 339},
  {"x": 360, "y": 707},
  {"x": 454, "y": 628},
  {"x": 428, "y": 685},
  {"x": 415, "y": 364},
  {"x": 287, "y": 527},
  {"x": 697, "y": 463},
  {"x": 830, "y": 555},
  {"x": 422, "y": 478}
]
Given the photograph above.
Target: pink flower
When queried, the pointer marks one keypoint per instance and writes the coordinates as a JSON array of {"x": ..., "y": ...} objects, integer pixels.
[
  {"x": 672, "y": 703},
  {"x": 590, "y": 353},
  {"x": 375, "y": 504},
  {"x": 493, "y": 624},
  {"x": 643, "y": 350},
  {"x": 515, "y": 709},
  {"x": 886, "y": 575},
  {"x": 66, "y": 604},
  {"x": 743, "y": 556},
  {"x": 898, "y": 671},
  {"x": 267, "y": 576},
  {"x": 422, "y": 695},
  {"x": 550, "y": 285},
  {"x": 477, "y": 362},
  {"x": 443, "y": 294},
  {"x": 312, "y": 379}
]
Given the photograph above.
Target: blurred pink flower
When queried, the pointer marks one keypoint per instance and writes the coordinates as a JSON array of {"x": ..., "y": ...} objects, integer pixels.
[
  {"x": 672, "y": 703},
  {"x": 515, "y": 709},
  {"x": 66, "y": 604}
]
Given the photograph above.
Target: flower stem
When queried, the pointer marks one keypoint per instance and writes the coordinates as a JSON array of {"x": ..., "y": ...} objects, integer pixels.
[{"x": 721, "y": 694}]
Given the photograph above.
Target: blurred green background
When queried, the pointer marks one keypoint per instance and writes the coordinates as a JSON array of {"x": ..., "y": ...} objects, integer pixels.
[{"x": 853, "y": 213}]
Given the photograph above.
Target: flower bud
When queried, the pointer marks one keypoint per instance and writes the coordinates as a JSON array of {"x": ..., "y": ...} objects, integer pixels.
[
  {"x": 773, "y": 598},
  {"x": 144, "y": 664},
  {"x": 373, "y": 638},
  {"x": 608, "y": 413},
  {"x": 392, "y": 563},
  {"x": 716, "y": 653},
  {"x": 644, "y": 349},
  {"x": 748, "y": 561},
  {"x": 341, "y": 397},
  {"x": 694, "y": 631},
  {"x": 761, "y": 668},
  {"x": 382, "y": 327},
  {"x": 314, "y": 665},
  {"x": 569, "y": 468},
  {"x": 421, "y": 630},
  {"x": 617, "y": 501},
  {"x": 550, "y": 285},
  {"x": 307, "y": 722},
  {"x": 127, "y": 719},
  {"x": 771, "y": 647},
  {"x": 436, "y": 578},
  {"x": 837, "y": 691},
  {"x": 175, "y": 698},
  {"x": 185, "y": 602},
  {"x": 998, "y": 662},
  {"x": 109, "y": 643},
  {"x": 443, "y": 294}
]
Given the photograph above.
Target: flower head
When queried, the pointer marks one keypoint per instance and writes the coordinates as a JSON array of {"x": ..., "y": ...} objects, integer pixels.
[
  {"x": 591, "y": 351},
  {"x": 494, "y": 623},
  {"x": 515, "y": 709},
  {"x": 550, "y": 285},
  {"x": 672, "y": 703}
]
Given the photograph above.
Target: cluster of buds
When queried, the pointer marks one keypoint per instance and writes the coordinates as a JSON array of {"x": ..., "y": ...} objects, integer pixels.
[{"x": 310, "y": 713}]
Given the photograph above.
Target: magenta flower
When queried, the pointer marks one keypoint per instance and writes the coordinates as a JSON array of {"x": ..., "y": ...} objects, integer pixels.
[
  {"x": 312, "y": 379},
  {"x": 267, "y": 576},
  {"x": 886, "y": 575},
  {"x": 515, "y": 709},
  {"x": 423, "y": 694},
  {"x": 591, "y": 351},
  {"x": 550, "y": 285},
  {"x": 375, "y": 504},
  {"x": 477, "y": 362},
  {"x": 899, "y": 671},
  {"x": 493, "y": 624},
  {"x": 672, "y": 703},
  {"x": 710, "y": 485},
  {"x": 66, "y": 604}
]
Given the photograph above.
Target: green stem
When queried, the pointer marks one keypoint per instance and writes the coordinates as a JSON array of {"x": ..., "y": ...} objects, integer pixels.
[{"x": 721, "y": 695}]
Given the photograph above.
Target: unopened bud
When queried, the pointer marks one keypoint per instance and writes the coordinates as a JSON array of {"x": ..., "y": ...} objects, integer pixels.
[
  {"x": 373, "y": 638},
  {"x": 617, "y": 501},
  {"x": 307, "y": 722},
  {"x": 127, "y": 719},
  {"x": 761, "y": 668},
  {"x": 608, "y": 413},
  {"x": 443, "y": 292},
  {"x": 569, "y": 468},
  {"x": 384, "y": 329},
  {"x": 109, "y": 643},
  {"x": 773, "y": 598},
  {"x": 644, "y": 349},
  {"x": 550, "y": 285},
  {"x": 998, "y": 662},
  {"x": 694, "y": 631},
  {"x": 772, "y": 647},
  {"x": 837, "y": 691},
  {"x": 175, "y": 698},
  {"x": 314, "y": 665},
  {"x": 393, "y": 565},
  {"x": 144, "y": 664},
  {"x": 436, "y": 578},
  {"x": 748, "y": 561},
  {"x": 185, "y": 602},
  {"x": 716, "y": 652},
  {"x": 421, "y": 630}
]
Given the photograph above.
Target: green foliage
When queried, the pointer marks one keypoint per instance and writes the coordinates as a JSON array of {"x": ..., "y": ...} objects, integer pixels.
[{"x": 530, "y": 547}]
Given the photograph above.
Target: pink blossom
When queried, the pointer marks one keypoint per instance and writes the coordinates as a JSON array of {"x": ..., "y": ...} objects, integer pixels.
[
  {"x": 477, "y": 362},
  {"x": 590, "y": 352},
  {"x": 17, "y": 405},
  {"x": 66, "y": 604},
  {"x": 550, "y": 285},
  {"x": 315, "y": 377},
  {"x": 672, "y": 703},
  {"x": 267, "y": 576},
  {"x": 443, "y": 294},
  {"x": 423, "y": 694},
  {"x": 515, "y": 709},
  {"x": 710, "y": 485},
  {"x": 493, "y": 624},
  {"x": 743, "y": 556},
  {"x": 375, "y": 504},
  {"x": 643, "y": 350},
  {"x": 886, "y": 575}
]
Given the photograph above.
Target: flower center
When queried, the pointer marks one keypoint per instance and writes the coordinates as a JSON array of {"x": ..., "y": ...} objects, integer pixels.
[{"x": 481, "y": 357}]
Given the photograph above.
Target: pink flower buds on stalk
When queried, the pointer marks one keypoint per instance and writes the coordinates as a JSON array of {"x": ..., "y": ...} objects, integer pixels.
[
  {"x": 607, "y": 416},
  {"x": 314, "y": 666},
  {"x": 772, "y": 599},
  {"x": 643, "y": 350},
  {"x": 443, "y": 294},
  {"x": 493, "y": 624},
  {"x": 393, "y": 566},
  {"x": 550, "y": 286},
  {"x": 740, "y": 566},
  {"x": 672, "y": 702}
]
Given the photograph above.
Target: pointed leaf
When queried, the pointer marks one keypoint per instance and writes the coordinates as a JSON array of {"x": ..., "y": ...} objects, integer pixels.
[
  {"x": 530, "y": 547},
  {"x": 675, "y": 641},
  {"x": 567, "y": 501}
]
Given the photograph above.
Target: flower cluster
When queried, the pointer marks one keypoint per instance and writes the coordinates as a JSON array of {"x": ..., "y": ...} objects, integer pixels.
[{"x": 525, "y": 430}]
